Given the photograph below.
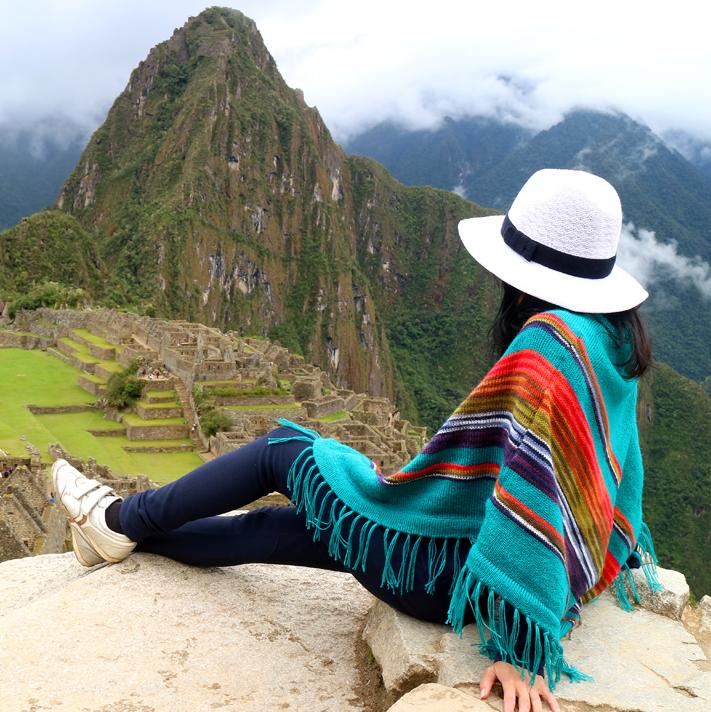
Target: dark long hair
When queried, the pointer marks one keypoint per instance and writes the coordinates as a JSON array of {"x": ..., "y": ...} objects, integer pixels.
[{"x": 626, "y": 327}]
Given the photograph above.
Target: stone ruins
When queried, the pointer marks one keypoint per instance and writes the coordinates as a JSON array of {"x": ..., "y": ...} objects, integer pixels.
[{"x": 252, "y": 380}]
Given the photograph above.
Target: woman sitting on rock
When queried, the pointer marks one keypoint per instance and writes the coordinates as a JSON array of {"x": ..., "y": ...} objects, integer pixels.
[{"x": 524, "y": 505}]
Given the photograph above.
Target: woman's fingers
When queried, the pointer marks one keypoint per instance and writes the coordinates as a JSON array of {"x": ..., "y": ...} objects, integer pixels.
[
  {"x": 536, "y": 704},
  {"x": 523, "y": 689},
  {"x": 542, "y": 691},
  {"x": 509, "y": 694},
  {"x": 530, "y": 699},
  {"x": 487, "y": 682},
  {"x": 551, "y": 700}
]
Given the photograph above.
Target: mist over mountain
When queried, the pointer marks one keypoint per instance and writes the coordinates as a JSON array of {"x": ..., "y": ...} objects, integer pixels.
[
  {"x": 34, "y": 162},
  {"x": 213, "y": 192},
  {"x": 695, "y": 150},
  {"x": 666, "y": 201}
]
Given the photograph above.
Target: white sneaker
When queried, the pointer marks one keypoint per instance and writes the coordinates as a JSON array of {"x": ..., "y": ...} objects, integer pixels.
[{"x": 85, "y": 502}]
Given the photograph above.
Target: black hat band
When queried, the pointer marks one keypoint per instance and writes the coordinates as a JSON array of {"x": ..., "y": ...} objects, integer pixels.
[{"x": 533, "y": 251}]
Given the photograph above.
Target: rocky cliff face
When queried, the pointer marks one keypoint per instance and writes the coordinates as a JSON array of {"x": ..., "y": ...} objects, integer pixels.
[{"x": 220, "y": 195}]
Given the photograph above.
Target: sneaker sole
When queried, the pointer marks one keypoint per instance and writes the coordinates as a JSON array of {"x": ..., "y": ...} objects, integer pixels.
[
  {"x": 100, "y": 550},
  {"x": 79, "y": 543}
]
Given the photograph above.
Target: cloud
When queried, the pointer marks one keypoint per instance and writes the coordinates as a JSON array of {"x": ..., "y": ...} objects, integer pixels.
[
  {"x": 527, "y": 62},
  {"x": 643, "y": 256},
  {"x": 408, "y": 60}
]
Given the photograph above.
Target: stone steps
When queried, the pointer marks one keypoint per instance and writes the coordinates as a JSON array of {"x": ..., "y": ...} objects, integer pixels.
[
  {"x": 58, "y": 354},
  {"x": 187, "y": 404},
  {"x": 92, "y": 384},
  {"x": 157, "y": 411},
  {"x": 72, "y": 348},
  {"x": 186, "y": 447},
  {"x": 106, "y": 369},
  {"x": 158, "y": 384},
  {"x": 158, "y": 429},
  {"x": 96, "y": 346},
  {"x": 158, "y": 396}
]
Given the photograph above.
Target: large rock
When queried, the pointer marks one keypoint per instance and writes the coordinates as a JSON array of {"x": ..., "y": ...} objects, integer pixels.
[
  {"x": 405, "y": 648},
  {"x": 671, "y": 599},
  {"x": 153, "y": 635},
  {"x": 641, "y": 661},
  {"x": 438, "y": 698}
]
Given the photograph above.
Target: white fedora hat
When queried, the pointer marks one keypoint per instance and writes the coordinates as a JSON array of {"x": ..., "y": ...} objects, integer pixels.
[{"x": 558, "y": 242}]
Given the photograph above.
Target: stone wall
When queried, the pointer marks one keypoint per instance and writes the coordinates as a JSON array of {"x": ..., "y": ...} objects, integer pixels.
[
  {"x": 156, "y": 432},
  {"x": 21, "y": 340},
  {"x": 194, "y": 353},
  {"x": 30, "y": 523}
]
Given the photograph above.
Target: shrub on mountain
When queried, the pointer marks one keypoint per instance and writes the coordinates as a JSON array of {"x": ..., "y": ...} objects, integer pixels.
[
  {"x": 49, "y": 294},
  {"x": 124, "y": 388},
  {"x": 213, "y": 420}
]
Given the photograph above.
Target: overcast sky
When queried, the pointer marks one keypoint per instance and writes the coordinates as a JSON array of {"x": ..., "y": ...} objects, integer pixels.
[{"x": 361, "y": 62}]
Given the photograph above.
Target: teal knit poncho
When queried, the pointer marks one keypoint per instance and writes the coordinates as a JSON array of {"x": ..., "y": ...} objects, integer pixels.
[{"x": 539, "y": 467}]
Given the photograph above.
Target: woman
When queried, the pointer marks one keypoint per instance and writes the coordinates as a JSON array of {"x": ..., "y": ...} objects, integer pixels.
[{"x": 525, "y": 504}]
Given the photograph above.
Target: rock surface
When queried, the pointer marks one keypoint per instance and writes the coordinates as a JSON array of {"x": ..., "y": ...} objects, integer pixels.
[
  {"x": 438, "y": 698},
  {"x": 152, "y": 635},
  {"x": 705, "y": 611},
  {"x": 641, "y": 661},
  {"x": 671, "y": 600}
]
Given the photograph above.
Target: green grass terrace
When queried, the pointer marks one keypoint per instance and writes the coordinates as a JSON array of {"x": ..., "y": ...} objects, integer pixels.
[{"x": 37, "y": 378}]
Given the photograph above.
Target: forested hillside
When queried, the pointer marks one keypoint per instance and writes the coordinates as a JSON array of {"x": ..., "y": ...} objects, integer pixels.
[{"x": 489, "y": 161}]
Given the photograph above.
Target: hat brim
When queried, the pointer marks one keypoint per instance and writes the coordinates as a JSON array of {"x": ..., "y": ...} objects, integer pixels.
[{"x": 618, "y": 291}]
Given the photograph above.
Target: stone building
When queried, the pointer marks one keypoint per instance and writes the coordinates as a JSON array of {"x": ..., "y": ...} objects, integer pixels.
[
  {"x": 253, "y": 380},
  {"x": 29, "y": 522}
]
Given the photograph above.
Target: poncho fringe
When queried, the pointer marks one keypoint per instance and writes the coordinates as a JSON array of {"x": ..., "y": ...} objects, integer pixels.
[
  {"x": 349, "y": 539},
  {"x": 538, "y": 472}
]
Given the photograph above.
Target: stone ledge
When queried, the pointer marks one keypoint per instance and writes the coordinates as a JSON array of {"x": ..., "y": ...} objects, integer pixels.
[
  {"x": 640, "y": 661},
  {"x": 163, "y": 636},
  {"x": 438, "y": 698}
]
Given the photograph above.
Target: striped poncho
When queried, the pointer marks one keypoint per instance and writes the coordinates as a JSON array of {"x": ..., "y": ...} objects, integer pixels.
[{"x": 539, "y": 467}]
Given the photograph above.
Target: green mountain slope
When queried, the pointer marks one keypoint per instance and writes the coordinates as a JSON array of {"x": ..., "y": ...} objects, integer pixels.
[
  {"x": 443, "y": 158},
  {"x": 49, "y": 246},
  {"x": 217, "y": 194},
  {"x": 675, "y": 427},
  {"x": 435, "y": 301},
  {"x": 660, "y": 190}
]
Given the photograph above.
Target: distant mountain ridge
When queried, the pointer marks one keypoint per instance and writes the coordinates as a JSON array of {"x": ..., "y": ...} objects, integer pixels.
[{"x": 660, "y": 190}]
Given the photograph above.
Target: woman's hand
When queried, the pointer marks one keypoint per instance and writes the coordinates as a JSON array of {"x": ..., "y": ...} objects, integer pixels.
[{"x": 530, "y": 699}]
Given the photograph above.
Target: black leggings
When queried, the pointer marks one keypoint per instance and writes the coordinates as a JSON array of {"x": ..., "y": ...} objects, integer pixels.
[{"x": 178, "y": 521}]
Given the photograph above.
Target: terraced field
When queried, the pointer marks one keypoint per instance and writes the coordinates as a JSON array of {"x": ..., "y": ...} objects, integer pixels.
[{"x": 46, "y": 380}]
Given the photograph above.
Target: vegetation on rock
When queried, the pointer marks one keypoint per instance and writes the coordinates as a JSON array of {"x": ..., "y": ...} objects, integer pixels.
[
  {"x": 48, "y": 294},
  {"x": 212, "y": 419},
  {"x": 124, "y": 389}
]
